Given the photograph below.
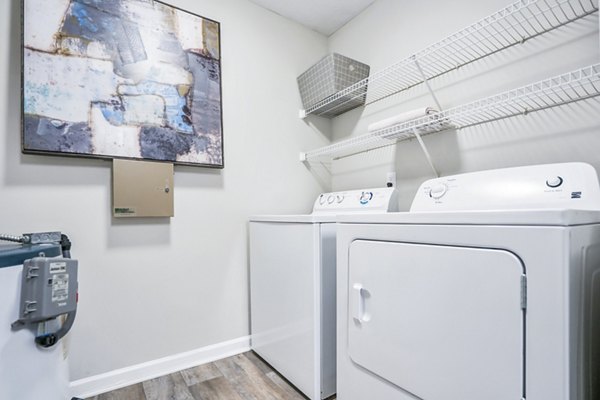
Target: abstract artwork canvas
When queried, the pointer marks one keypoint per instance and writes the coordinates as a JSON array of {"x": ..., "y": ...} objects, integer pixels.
[{"x": 132, "y": 79}]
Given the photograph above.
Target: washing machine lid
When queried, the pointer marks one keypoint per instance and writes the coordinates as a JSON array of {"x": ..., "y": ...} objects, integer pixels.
[
  {"x": 552, "y": 217},
  {"x": 298, "y": 218}
]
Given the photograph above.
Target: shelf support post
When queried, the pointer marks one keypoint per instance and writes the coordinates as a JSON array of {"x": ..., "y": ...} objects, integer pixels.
[
  {"x": 426, "y": 152},
  {"x": 426, "y": 81}
]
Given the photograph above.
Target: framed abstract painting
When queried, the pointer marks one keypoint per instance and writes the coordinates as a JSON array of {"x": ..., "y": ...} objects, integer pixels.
[{"x": 136, "y": 79}]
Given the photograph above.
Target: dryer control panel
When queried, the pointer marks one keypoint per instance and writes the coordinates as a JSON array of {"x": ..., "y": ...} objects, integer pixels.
[
  {"x": 566, "y": 185},
  {"x": 365, "y": 200}
]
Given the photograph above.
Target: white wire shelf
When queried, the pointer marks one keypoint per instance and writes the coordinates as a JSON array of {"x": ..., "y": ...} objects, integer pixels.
[
  {"x": 578, "y": 85},
  {"x": 512, "y": 25}
]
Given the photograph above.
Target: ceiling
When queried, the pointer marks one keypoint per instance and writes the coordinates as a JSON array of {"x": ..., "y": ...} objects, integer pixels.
[{"x": 324, "y": 16}]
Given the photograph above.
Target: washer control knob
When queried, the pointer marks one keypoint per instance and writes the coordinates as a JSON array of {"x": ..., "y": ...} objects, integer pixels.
[
  {"x": 438, "y": 191},
  {"x": 330, "y": 199},
  {"x": 365, "y": 197},
  {"x": 339, "y": 198},
  {"x": 554, "y": 182},
  {"x": 322, "y": 199}
]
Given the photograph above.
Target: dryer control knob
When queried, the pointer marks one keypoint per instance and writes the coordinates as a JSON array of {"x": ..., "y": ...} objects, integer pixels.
[
  {"x": 330, "y": 199},
  {"x": 322, "y": 199},
  {"x": 438, "y": 191},
  {"x": 339, "y": 198},
  {"x": 554, "y": 182}
]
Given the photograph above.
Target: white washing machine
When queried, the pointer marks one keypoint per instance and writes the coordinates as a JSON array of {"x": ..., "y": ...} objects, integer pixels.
[
  {"x": 292, "y": 287},
  {"x": 488, "y": 289}
]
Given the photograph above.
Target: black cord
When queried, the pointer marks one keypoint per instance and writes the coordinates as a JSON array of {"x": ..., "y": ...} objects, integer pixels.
[{"x": 65, "y": 244}]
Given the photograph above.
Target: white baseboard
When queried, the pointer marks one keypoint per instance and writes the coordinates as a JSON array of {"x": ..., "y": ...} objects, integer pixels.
[{"x": 119, "y": 378}]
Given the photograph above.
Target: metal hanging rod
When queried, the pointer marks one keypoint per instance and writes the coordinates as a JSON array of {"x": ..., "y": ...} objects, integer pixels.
[
  {"x": 563, "y": 89},
  {"x": 512, "y": 25}
]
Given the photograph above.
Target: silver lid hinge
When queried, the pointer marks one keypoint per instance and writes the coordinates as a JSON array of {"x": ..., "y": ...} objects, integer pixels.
[{"x": 523, "y": 292}]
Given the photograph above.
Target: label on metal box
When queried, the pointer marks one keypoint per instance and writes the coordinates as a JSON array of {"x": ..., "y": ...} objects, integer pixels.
[{"x": 60, "y": 287}]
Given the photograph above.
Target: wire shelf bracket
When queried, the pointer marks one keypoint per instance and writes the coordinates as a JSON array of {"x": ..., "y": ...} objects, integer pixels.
[
  {"x": 563, "y": 89},
  {"x": 426, "y": 153},
  {"x": 512, "y": 25}
]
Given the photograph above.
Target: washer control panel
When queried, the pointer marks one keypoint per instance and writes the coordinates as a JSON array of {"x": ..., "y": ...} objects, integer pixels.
[
  {"x": 566, "y": 185},
  {"x": 365, "y": 200}
]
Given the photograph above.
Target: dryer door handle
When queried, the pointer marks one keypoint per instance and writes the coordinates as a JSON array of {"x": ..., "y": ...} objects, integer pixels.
[{"x": 357, "y": 303}]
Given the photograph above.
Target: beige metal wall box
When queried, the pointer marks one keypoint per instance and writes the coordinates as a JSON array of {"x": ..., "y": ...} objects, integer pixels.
[{"x": 142, "y": 189}]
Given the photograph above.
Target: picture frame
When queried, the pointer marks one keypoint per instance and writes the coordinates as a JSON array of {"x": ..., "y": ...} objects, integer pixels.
[{"x": 132, "y": 79}]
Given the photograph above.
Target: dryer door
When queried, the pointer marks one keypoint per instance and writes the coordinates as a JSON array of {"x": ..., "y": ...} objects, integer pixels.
[{"x": 440, "y": 322}]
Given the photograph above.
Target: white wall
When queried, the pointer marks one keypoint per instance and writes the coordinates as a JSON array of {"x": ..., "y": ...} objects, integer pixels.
[
  {"x": 390, "y": 30},
  {"x": 150, "y": 288}
]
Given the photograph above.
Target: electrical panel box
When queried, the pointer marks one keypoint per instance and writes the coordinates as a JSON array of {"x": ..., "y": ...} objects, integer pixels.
[
  {"x": 48, "y": 288},
  {"x": 142, "y": 189}
]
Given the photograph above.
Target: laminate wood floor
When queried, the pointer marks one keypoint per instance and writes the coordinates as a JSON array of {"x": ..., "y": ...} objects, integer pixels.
[{"x": 241, "y": 377}]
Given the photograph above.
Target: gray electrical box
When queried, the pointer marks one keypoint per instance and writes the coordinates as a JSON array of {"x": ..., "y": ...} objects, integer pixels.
[{"x": 48, "y": 289}]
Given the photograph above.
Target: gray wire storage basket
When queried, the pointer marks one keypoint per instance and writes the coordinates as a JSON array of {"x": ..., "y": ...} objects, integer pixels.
[{"x": 333, "y": 73}]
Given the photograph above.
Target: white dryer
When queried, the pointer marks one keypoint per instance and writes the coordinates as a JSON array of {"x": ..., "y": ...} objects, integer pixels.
[
  {"x": 488, "y": 289},
  {"x": 292, "y": 287}
]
